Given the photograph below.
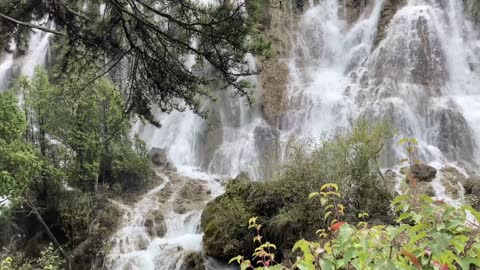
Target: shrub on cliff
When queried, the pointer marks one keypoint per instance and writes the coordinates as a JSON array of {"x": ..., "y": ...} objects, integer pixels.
[{"x": 348, "y": 159}]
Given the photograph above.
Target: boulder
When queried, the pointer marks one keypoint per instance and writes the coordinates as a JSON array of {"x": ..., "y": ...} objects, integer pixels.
[
  {"x": 472, "y": 189},
  {"x": 159, "y": 158},
  {"x": 425, "y": 188},
  {"x": 155, "y": 224},
  {"x": 193, "y": 261},
  {"x": 472, "y": 185},
  {"x": 452, "y": 179},
  {"x": 192, "y": 196},
  {"x": 390, "y": 180},
  {"x": 423, "y": 172}
]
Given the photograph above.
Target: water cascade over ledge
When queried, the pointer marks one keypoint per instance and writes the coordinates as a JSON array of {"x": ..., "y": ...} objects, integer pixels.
[{"x": 423, "y": 76}]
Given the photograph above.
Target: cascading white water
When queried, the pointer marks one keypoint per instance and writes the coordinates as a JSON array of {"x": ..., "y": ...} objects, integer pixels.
[
  {"x": 421, "y": 77},
  {"x": 424, "y": 77},
  {"x": 36, "y": 55}
]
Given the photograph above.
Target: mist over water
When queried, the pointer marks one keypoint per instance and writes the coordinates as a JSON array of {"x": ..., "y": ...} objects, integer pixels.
[{"x": 423, "y": 77}]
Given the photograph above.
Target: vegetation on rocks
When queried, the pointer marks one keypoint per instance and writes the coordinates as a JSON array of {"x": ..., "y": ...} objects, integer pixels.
[
  {"x": 428, "y": 234},
  {"x": 349, "y": 159}
]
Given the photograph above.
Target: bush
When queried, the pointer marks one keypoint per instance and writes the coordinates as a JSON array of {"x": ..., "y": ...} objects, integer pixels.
[
  {"x": 429, "y": 235},
  {"x": 49, "y": 259},
  {"x": 347, "y": 159},
  {"x": 76, "y": 211},
  {"x": 131, "y": 166}
]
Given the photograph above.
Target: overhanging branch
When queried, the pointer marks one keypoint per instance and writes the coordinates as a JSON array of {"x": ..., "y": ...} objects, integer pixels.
[{"x": 38, "y": 27}]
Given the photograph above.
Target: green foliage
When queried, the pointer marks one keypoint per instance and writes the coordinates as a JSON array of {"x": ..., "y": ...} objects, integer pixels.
[
  {"x": 349, "y": 160},
  {"x": 146, "y": 37},
  {"x": 131, "y": 168},
  {"x": 88, "y": 119},
  {"x": 49, "y": 259},
  {"x": 224, "y": 235},
  {"x": 70, "y": 137},
  {"x": 76, "y": 211},
  {"x": 19, "y": 164},
  {"x": 437, "y": 236}
]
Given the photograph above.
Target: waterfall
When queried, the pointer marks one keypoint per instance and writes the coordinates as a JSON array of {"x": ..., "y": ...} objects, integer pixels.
[
  {"x": 36, "y": 55},
  {"x": 423, "y": 77}
]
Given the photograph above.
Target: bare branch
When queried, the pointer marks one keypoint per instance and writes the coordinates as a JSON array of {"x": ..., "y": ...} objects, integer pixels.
[{"x": 32, "y": 25}]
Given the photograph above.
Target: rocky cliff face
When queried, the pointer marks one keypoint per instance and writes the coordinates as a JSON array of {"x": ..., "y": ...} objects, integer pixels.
[
  {"x": 390, "y": 7},
  {"x": 274, "y": 73}
]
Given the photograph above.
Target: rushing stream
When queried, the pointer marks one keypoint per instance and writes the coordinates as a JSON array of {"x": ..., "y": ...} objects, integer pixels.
[{"x": 423, "y": 77}]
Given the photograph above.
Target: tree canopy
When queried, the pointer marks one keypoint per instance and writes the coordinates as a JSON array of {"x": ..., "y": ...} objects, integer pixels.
[{"x": 151, "y": 43}]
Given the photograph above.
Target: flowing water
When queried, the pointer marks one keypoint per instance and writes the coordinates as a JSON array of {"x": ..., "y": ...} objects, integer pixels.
[{"x": 423, "y": 77}]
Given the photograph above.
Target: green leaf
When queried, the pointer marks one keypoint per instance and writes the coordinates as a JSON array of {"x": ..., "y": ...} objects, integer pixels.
[
  {"x": 245, "y": 265},
  {"x": 276, "y": 267},
  {"x": 323, "y": 201},
  {"x": 327, "y": 215},
  {"x": 313, "y": 195},
  {"x": 237, "y": 258},
  {"x": 303, "y": 245}
]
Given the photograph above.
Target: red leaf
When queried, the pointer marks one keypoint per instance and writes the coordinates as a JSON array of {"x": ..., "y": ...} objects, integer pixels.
[
  {"x": 441, "y": 267},
  {"x": 412, "y": 258},
  {"x": 336, "y": 226}
]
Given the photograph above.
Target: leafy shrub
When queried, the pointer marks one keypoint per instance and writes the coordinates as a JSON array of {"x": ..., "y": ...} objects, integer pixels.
[
  {"x": 49, "y": 259},
  {"x": 131, "y": 167},
  {"x": 347, "y": 159},
  {"x": 429, "y": 235},
  {"x": 76, "y": 211}
]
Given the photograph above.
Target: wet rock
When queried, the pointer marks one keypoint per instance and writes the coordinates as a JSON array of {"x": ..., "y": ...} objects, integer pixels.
[
  {"x": 155, "y": 224},
  {"x": 266, "y": 142},
  {"x": 390, "y": 7},
  {"x": 452, "y": 179},
  {"x": 273, "y": 81},
  {"x": 411, "y": 52},
  {"x": 404, "y": 170},
  {"x": 274, "y": 75},
  {"x": 193, "y": 261},
  {"x": 353, "y": 9},
  {"x": 472, "y": 185},
  {"x": 454, "y": 136},
  {"x": 423, "y": 172},
  {"x": 166, "y": 192},
  {"x": 425, "y": 188},
  {"x": 159, "y": 158},
  {"x": 213, "y": 137},
  {"x": 472, "y": 190},
  {"x": 192, "y": 196},
  {"x": 390, "y": 178}
]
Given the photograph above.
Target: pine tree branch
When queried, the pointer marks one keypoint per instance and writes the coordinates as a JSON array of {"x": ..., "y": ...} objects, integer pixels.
[{"x": 44, "y": 29}]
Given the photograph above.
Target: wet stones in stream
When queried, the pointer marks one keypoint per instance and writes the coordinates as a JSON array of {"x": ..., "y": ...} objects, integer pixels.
[
  {"x": 192, "y": 196},
  {"x": 155, "y": 224}
]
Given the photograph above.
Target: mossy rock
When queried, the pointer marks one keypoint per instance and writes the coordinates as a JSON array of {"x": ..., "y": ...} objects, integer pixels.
[{"x": 193, "y": 261}]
